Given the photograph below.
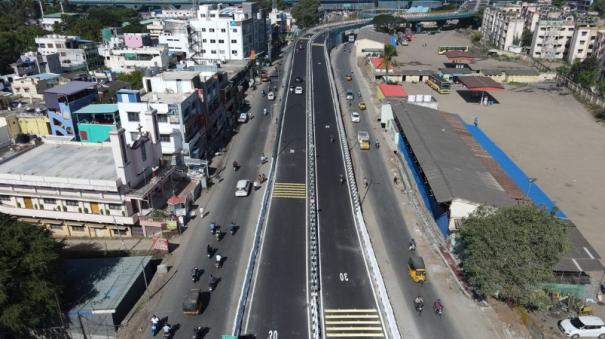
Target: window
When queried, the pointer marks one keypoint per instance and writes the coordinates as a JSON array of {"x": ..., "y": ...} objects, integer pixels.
[
  {"x": 71, "y": 203},
  {"x": 134, "y": 135},
  {"x": 203, "y": 29},
  {"x": 233, "y": 41},
  {"x": 211, "y": 30},
  {"x": 221, "y": 41},
  {"x": 77, "y": 228},
  {"x": 5, "y": 198},
  {"x": 222, "y": 51},
  {"x": 49, "y": 201},
  {"x": 234, "y": 52},
  {"x": 164, "y": 137},
  {"x": 120, "y": 232},
  {"x": 223, "y": 30},
  {"x": 203, "y": 51},
  {"x": 50, "y": 46},
  {"x": 63, "y": 54},
  {"x": 162, "y": 118},
  {"x": 115, "y": 207},
  {"x": 234, "y": 30},
  {"x": 212, "y": 41},
  {"x": 213, "y": 51},
  {"x": 133, "y": 116},
  {"x": 204, "y": 40},
  {"x": 56, "y": 227},
  {"x": 584, "y": 33}
]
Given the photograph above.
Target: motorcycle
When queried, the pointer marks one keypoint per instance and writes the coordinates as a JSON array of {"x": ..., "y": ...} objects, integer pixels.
[
  {"x": 209, "y": 251},
  {"x": 213, "y": 228},
  {"x": 438, "y": 308},
  {"x": 197, "y": 332},
  {"x": 167, "y": 331},
  {"x": 235, "y": 166},
  {"x": 219, "y": 235},
  {"x": 195, "y": 274},
  {"x": 419, "y": 307},
  {"x": 219, "y": 262},
  {"x": 265, "y": 111},
  {"x": 342, "y": 179},
  {"x": 232, "y": 228}
]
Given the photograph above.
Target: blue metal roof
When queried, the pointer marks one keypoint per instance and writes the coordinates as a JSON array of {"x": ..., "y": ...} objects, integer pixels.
[
  {"x": 45, "y": 76},
  {"x": 98, "y": 109},
  {"x": 71, "y": 87}
]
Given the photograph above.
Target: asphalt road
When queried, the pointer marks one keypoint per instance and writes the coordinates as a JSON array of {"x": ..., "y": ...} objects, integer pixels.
[
  {"x": 381, "y": 196},
  {"x": 349, "y": 305},
  {"x": 219, "y": 306},
  {"x": 278, "y": 304}
]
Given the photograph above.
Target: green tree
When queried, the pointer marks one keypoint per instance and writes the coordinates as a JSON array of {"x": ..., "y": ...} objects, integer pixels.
[
  {"x": 476, "y": 37},
  {"x": 135, "y": 79},
  {"x": 557, "y": 3},
  {"x": 526, "y": 38},
  {"x": 306, "y": 13},
  {"x": 599, "y": 6},
  {"x": 584, "y": 73},
  {"x": 510, "y": 252},
  {"x": 386, "y": 23},
  {"x": 389, "y": 53},
  {"x": 29, "y": 266}
]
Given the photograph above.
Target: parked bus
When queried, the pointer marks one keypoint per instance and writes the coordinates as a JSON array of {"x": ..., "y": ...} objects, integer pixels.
[
  {"x": 439, "y": 84},
  {"x": 444, "y": 49},
  {"x": 363, "y": 138}
]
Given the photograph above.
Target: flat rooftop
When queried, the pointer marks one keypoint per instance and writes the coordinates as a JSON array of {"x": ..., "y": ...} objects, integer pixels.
[
  {"x": 164, "y": 98},
  {"x": 63, "y": 160},
  {"x": 71, "y": 87},
  {"x": 98, "y": 109}
]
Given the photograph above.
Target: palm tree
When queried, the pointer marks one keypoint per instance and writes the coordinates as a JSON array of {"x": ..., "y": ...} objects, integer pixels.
[{"x": 388, "y": 54}]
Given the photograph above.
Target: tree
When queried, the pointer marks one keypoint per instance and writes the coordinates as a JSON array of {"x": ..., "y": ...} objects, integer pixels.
[
  {"x": 389, "y": 53},
  {"x": 135, "y": 79},
  {"x": 306, "y": 12},
  {"x": 476, "y": 37},
  {"x": 510, "y": 252},
  {"x": 526, "y": 38},
  {"x": 557, "y": 3},
  {"x": 386, "y": 23},
  {"x": 29, "y": 288},
  {"x": 599, "y": 6}
]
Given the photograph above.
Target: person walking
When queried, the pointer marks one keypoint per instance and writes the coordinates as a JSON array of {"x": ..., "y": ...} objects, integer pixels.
[{"x": 476, "y": 122}]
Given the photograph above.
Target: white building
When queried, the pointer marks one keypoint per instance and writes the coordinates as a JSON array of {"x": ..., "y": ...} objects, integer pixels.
[
  {"x": 552, "y": 38},
  {"x": 74, "y": 52},
  {"x": 175, "y": 35},
  {"x": 229, "y": 33},
  {"x": 179, "y": 116},
  {"x": 33, "y": 86},
  {"x": 126, "y": 60},
  {"x": 283, "y": 19},
  {"x": 503, "y": 26},
  {"x": 582, "y": 44},
  {"x": 83, "y": 189}
]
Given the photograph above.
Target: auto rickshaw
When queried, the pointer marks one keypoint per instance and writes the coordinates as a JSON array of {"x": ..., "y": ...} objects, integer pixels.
[
  {"x": 192, "y": 303},
  {"x": 362, "y": 106},
  {"x": 416, "y": 269}
]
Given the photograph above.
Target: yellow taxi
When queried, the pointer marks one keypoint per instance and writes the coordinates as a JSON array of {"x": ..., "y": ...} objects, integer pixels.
[{"x": 362, "y": 106}]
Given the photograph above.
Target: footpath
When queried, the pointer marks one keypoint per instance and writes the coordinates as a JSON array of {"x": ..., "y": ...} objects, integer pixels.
[{"x": 471, "y": 319}]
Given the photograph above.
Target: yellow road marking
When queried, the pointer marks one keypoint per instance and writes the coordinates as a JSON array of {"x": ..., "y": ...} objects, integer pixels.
[
  {"x": 354, "y": 335},
  {"x": 359, "y": 322},
  {"x": 351, "y": 310},
  {"x": 289, "y": 190},
  {"x": 352, "y": 323}
]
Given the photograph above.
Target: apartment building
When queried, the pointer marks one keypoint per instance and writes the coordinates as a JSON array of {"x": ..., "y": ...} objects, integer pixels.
[
  {"x": 62, "y": 100},
  {"x": 175, "y": 35},
  {"x": 126, "y": 60},
  {"x": 552, "y": 38},
  {"x": 75, "y": 54},
  {"x": 33, "y": 86},
  {"x": 31, "y": 63},
  {"x": 503, "y": 26},
  {"x": 229, "y": 33},
  {"x": 582, "y": 44},
  {"x": 84, "y": 189}
]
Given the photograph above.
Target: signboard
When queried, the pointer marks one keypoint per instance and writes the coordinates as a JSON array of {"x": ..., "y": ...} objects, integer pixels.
[{"x": 160, "y": 244}]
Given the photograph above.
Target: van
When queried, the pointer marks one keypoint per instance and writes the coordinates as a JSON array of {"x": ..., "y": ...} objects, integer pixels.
[{"x": 242, "y": 188}]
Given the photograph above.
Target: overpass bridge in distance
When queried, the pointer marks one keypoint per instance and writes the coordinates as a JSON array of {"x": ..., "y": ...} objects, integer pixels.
[{"x": 328, "y": 4}]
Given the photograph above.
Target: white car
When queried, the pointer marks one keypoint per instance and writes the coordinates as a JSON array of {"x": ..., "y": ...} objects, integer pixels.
[
  {"x": 298, "y": 90},
  {"x": 243, "y": 187},
  {"x": 583, "y": 326},
  {"x": 243, "y": 117},
  {"x": 271, "y": 96},
  {"x": 355, "y": 117}
]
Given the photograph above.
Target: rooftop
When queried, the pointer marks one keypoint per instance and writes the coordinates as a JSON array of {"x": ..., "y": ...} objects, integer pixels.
[
  {"x": 70, "y": 160},
  {"x": 480, "y": 83},
  {"x": 71, "y": 87},
  {"x": 393, "y": 90},
  {"x": 58, "y": 15},
  {"x": 45, "y": 76},
  {"x": 453, "y": 172},
  {"x": 179, "y": 75},
  {"x": 165, "y": 98},
  {"x": 98, "y": 109},
  {"x": 369, "y": 33}
]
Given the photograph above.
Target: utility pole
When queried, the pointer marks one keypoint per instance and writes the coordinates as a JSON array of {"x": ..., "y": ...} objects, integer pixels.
[{"x": 41, "y": 8}]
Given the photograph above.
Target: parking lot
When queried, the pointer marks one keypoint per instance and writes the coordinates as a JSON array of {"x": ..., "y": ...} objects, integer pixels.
[{"x": 550, "y": 135}]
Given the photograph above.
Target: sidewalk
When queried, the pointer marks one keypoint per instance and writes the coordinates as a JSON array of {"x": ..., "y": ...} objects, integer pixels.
[{"x": 449, "y": 290}]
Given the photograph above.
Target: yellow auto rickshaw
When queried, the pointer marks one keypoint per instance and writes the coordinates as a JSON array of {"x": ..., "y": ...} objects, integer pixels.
[
  {"x": 416, "y": 269},
  {"x": 192, "y": 303}
]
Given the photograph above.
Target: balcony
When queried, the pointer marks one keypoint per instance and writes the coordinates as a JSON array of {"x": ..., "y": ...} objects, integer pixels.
[{"x": 69, "y": 216}]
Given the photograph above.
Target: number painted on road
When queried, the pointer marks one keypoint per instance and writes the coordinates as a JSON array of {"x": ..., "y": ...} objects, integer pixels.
[
  {"x": 344, "y": 277},
  {"x": 272, "y": 334}
]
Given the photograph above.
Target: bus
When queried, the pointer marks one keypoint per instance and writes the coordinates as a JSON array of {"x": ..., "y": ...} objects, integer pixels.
[
  {"x": 363, "y": 138},
  {"x": 439, "y": 84},
  {"x": 444, "y": 49}
]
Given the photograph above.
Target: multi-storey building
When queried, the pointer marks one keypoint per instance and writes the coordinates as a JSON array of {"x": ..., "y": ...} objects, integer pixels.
[
  {"x": 176, "y": 35},
  {"x": 126, "y": 60},
  {"x": 503, "y": 26},
  {"x": 31, "y": 63},
  {"x": 96, "y": 121},
  {"x": 75, "y": 54},
  {"x": 582, "y": 44},
  {"x": 62, "y": 100},
  {"x": 85, "y": 189},
  {"x": 33, "y": 86},
  {"x": 228, "y": 33},
  {"x": 552, "y": 38}
]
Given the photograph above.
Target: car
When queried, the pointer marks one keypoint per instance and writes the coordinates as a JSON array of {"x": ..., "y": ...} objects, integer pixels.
[
  {"x": 350, "y": 95},
  {"x": 298, "y": 79},
  {"x": 192, "y": 303},
  {"x": 362, "y": 106},
  {"x": 271, "y": 96},
  {"x": 298, "y": 90},
  {"x": 355, "y": 117},
  {"x": 583, "y": 326},
  {"x": 348, "y": 77},
  {"x": 243, "y": 117},
  {"x": 242, "y": 188}
]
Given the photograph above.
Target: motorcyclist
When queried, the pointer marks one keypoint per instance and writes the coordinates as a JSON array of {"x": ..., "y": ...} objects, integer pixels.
[
  {"x": 218, "y": 259},
  {"x": 412, "y": 245},
  {"x": 232, "y": 227},
  {"x": 209, "y": 250},
  {"x": 235, "y": 165},
  {"x": 331, "y": 138},
  {"x": 213, "y": 227},
  {"x": 195, "y": 272},
  {"x": 438, "y": 306},
  {"x": 341, "y": 178},
  {"x": 377, "y": 143},
  {"x": 265, "y": 111},
  {"x": 155, "y": 320},
  {"x": 197, "y": 331},
  {"x": 167, "y": 329},
  {"x": 419, "y": 304}
]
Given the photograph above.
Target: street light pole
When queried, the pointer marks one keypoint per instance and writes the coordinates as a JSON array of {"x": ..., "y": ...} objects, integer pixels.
[{"x": 529, "y": 185}]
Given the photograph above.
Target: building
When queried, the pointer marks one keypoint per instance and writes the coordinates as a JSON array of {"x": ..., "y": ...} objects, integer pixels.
[
  {"x": 228, "y": 33},
  {"x": 85, "y": 189},
  {"x": 179, "y": 120},
  {"x": 282, "y": 19},
  {"x": 33, "y": 86},
  {"x": 62, "y": 100},
  {"x": 29, "y": 118},
  {"x": 75, "y": 54},
  {"x": 370, "y": 42},
  {"x": 31, "y": 63},
  {"x": 503, "y": 26},
  {"x": 48, "y": 21},
  {"x": 127, "y": 60},
  {"x": 582, "y": 44},
  {"x": 96, "y": 121},
  {"x": 552, "y": 38},
  {"x": 175, "y": 34}
]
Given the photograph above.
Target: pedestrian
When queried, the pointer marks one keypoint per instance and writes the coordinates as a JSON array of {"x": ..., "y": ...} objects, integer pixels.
[
  {"x": 395, "y": 180},
  {"x": 201, "y": 212},
  {"x": 365, "y": 182},
  {"x": 476, "y": 122}
]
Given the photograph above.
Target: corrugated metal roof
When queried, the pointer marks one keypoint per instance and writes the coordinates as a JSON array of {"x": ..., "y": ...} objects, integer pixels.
[
  {"x": 473, "y": 82},
  {"x": 45, "y": 76},
  {"x": 393, "y": 90},
  {"x": 449, "y": 165},
  {"x": 98, "y": 108},
  {"x": 71, "y": 87}
]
